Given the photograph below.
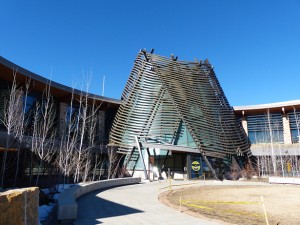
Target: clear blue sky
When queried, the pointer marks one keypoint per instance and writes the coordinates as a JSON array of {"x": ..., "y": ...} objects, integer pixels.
[{"x": 253, "y": 45}]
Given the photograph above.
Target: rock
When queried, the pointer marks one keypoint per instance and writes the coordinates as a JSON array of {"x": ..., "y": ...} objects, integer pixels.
[{"x": 19, "y": 206}]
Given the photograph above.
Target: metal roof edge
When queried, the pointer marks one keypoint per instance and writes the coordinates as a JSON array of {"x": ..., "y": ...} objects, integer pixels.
[
  {"x": 268, "y": 105},
  {"x": 54, "y": 84}
]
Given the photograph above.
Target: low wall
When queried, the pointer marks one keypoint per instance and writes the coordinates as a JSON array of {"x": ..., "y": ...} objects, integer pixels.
[
  {"x": 174, "y": 174},
  {"x": 19, "y": 206},
  {"x": 67, "y": 205},
  {"x": 284, "y": 180}
]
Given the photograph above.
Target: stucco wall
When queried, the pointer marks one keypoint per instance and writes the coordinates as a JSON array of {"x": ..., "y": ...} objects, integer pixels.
[{"x": 19, "y": 206}]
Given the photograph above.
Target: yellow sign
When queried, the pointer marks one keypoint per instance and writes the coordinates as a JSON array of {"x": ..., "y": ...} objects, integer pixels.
[
  {"x": 289, "y": 168},
  {"x": 196, "y": 166}
]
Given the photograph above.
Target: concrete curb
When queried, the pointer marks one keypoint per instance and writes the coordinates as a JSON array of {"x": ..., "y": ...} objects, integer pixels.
[
  {"x": 67, "y": 205},
  {"x": 284, "y": 180}
]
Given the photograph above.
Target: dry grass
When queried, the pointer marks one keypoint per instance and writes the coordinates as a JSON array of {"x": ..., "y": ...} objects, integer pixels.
[{"x": 282, "y": 203}]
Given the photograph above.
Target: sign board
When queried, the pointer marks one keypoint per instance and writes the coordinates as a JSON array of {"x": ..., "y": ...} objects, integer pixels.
[{"x": 195, "y": 166}]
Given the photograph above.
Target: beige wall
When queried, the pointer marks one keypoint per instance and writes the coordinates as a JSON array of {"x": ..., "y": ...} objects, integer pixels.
[
  {"x": 286, "y": 130},
  {"x": 245, "y": 125}
]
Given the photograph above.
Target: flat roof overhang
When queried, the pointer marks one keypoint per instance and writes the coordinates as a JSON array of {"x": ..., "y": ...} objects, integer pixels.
[
  {"x": 278, "y": 107},
  {"x": 39, "y": 83}
]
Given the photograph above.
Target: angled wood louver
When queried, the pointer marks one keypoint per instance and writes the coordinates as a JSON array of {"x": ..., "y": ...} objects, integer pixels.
[{"x": 165, "y": 98}]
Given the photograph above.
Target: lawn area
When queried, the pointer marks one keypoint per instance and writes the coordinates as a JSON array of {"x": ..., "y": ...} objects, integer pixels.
[{"x": 239, "y": 204}]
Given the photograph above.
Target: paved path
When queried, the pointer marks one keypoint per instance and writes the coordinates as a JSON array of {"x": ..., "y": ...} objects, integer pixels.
[{"x": 132, "y": 204}]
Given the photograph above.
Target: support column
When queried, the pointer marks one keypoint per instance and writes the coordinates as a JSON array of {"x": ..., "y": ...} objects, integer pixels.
[
  {"x": 287, "y": 137},
  {"x": 142, "y": 158},
  {"x": 101, "y": 127},
  {"x": 62, "y": 117},
  {"x": 188, "y": 165},
  {"x": 245, "y": 124}
]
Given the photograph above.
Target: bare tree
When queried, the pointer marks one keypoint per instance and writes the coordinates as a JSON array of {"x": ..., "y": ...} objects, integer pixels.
[
  {"x": 272, "y": 145},
  {"x": 294, "y": 161},
  {"x": 43, "y": 138},
  {"x": 82, "y": 122},
  {"x": 21, "y": 128},
  {"x": 79, "y": 138},
  {"x": 69, "y": 139},
  {"x": 11, "y": 119},
  {"x": 87, "y": 129},
  {"x": 114, "y": 160},
  {"x": 87, "y": 166},
  {"x": 279, "y": 163},
  {"x": 98, "y": 163},
  {"x": 91, "y": 130}
]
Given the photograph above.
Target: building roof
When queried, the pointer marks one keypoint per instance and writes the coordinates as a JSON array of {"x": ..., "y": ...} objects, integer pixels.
[
  {"x": 286, "y": 106},
  {"x": 268, "y": 106},
  {"x": 59, "y": 90}
]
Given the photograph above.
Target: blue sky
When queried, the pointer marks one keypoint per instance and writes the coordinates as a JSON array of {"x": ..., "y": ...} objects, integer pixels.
[{"x": 253, "y": 45}]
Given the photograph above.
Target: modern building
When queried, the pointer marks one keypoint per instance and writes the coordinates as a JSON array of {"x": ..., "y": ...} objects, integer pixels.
[
  {"x": 173, "y": 119},
  {"x": 175, "y": 116},
  {"x": 67, "y": 106},
  {"x": 274, "y": 132}
]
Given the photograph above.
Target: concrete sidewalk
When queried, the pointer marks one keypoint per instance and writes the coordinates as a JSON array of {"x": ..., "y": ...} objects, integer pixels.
[{"x": 132, "y": 204}]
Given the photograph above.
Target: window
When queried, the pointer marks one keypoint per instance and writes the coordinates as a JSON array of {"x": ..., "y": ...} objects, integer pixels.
[
  {"x": 294, "y": 119},
  {"x": 28, "y": 103},
  {"x": 72, "y": 117},
  {"x": 259, "y": 128}
]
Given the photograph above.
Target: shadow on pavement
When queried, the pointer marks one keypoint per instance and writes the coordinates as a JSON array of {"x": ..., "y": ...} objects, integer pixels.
[{"x": 93, "y": 208}]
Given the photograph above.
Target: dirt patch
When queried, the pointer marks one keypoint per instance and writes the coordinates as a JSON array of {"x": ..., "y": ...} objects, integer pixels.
[{"x": 239, "y": 204}]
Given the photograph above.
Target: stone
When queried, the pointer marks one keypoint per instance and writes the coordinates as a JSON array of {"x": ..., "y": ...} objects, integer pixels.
[{"x": 19, "y": 206}]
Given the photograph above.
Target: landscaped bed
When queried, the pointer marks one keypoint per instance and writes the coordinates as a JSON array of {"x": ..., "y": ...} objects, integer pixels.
[{"x": 239, "y": 204}]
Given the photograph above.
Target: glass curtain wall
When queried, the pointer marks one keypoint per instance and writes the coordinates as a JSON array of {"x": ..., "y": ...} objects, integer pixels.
[
  {"x": 263, "y": 128},
  {"x": 294, "y": 119}
]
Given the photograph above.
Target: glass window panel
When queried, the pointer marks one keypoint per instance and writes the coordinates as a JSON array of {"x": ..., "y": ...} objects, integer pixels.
[
  {"x": 259, "y": 128},
  {"x": 294, "y": 120}
]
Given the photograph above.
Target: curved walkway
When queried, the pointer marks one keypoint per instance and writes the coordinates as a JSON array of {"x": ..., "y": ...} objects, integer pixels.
[{"x": 132, "y": 204}]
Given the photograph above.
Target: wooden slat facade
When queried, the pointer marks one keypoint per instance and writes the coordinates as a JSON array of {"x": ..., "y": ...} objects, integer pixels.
[{"x": 163, "y": 92}]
